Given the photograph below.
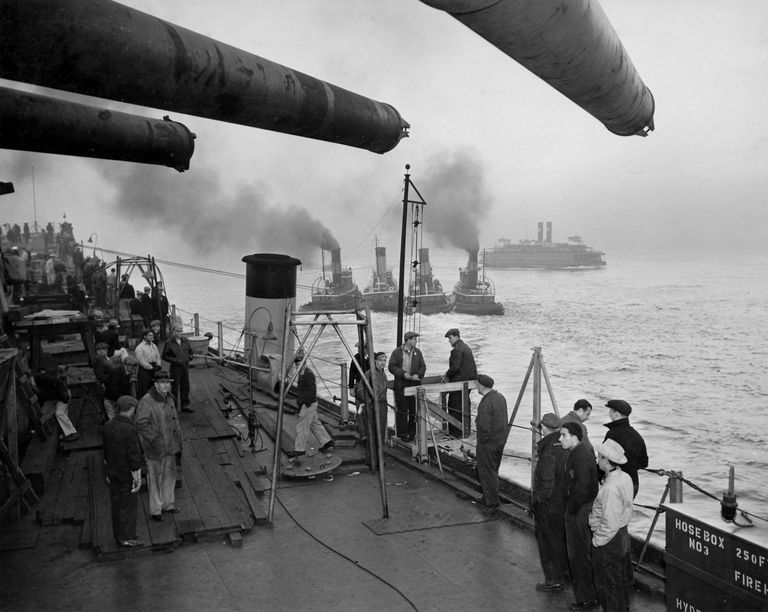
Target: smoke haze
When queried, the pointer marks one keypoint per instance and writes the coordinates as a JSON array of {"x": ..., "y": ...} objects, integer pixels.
[
  {"x": 198, "y": 211},
  {"x": 457, "y": 200}
]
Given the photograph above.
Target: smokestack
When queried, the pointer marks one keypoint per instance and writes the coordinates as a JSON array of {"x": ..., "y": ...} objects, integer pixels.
[
  {"x": 472, "y": 269},
  {"x": 270, "y": 288},
  {"x": 541, "y": 232},
  {"x": 336, "y": 266},
  {"x": 381, "y": 262},
  {"x": 426, "y": 267},
  {"x": 549, "y": 232}
]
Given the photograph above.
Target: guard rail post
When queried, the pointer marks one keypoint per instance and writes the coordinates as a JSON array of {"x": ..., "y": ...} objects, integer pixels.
[
  {"x": 220, "y": 337},
  {"x": 344, "y": 412}
]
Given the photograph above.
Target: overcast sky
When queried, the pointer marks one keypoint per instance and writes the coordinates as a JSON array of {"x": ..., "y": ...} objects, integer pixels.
[{"x": 514, "y": 145}]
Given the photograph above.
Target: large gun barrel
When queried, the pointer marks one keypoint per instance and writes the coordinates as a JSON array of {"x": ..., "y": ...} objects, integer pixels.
[
  {"x": 570, "y": 45},
  {"x": 33, "y": 122},
  {"x": 104, "y": 49}
]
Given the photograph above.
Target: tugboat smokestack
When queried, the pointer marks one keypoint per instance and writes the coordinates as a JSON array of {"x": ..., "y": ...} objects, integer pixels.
[
  {"x": 549, "y": 232},
  {"x": 472, "y": 269},
  {"x": 336, "y": 266},
  {"x": 541, "y": 232}
]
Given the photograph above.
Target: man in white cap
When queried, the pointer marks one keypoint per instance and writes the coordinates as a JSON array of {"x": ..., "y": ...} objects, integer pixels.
[
  {"x": 492, "y": 434},
  {"x": 611, "y": 512}
]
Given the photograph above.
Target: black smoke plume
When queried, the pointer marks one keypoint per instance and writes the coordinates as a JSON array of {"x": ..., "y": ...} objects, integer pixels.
[
  {"x": 192, "y": 207},
  {"x": 457, "y": 200}
]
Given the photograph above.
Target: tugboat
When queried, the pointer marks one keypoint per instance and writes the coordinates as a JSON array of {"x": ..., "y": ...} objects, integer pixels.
[
  {"x": 381, "y": 292},
  {"x": 426, "y": 295},
  {"x": 543, "y": 253},
  {"x": 475, "y": 294},
  {"x": 337, "y": 293}
]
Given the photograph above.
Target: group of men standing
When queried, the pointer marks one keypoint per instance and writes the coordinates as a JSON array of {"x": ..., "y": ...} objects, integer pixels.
[
  {"x": 582, "y": 505},
  {"x": 142, "y": 405}
]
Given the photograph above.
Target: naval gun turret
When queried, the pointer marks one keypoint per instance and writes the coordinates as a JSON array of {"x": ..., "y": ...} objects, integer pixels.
[
  {"x": 570, "y": 45},
  {"x": 103, "y": 49}
]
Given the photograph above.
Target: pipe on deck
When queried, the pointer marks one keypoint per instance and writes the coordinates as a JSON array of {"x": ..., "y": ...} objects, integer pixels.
[
  {"x": 571, "y": 45},
  {"x": 104, "y": 49},
  {"x": 34, "y": 122}
]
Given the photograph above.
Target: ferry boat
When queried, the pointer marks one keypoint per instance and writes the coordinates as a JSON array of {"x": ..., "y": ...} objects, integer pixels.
[
  {"x": 475, "y": 293},
  {"x": 543, "y": 253}
]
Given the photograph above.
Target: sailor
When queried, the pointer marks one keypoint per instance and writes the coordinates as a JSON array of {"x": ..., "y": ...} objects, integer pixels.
[
  {"x": 628, "y": 438},
  {"x": 148, "y": 356},
  {"x": 178, "y": 353},
  {"x": 579, "y": 492},
  {"x": 461, "y": 366},
  {"x": 610, "y": 515},
  {"x": 549, "y": 505},
  {"x": 123, "y": 457},
  {"x": 53, "y": 391},
  {"x": 582, "y": 409},
  {"x": 160, "y": 433},
  {"x": 361, "y": 357},
  {"x": 406, "y": 364},
  {"x": 308, "y": 421},
  {"x": 127, "y": 292},
  {"x": 378, "y": 382},
  {"x": 491, "y": 437}
]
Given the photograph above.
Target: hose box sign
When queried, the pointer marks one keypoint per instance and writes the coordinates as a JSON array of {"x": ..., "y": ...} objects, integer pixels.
[{"x": 713, "y": 564}]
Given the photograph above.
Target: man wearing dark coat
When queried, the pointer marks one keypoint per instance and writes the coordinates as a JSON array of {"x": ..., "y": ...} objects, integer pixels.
[
  {"x": 461, "y": 366},
  {"x": 491, "y": 437},
  {"x": 579, "y": 493},
  {"x": 123, "y": 458},
  {"x": 549, "y": 505},
  {"x": 178, "y": 353},
  {"x": 406, "y": 364},
  {"x": 628, "y": 438}
]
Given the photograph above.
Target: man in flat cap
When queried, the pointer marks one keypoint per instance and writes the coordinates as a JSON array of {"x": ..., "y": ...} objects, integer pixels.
[
  {"x": 491, "y": 437},
  {"x": 628, "y": 438},
  {"x": 461, "y": 366},
  {"x": 124, "y": 458},
  {"x": 549, "y": 505},
  {"x": 406, "y": 364},
  {"x": 610, "y": 515},
  {"x": 160, "y": 433},
  {"x": 580, "y": 491},
  {"x": 582, "y": 409}
]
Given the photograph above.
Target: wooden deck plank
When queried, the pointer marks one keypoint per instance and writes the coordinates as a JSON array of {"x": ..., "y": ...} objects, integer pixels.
[
  {"x": 199, "y": 487},
  {"x": 64, "y": 491},
  {"x": 78, "y": 475},
  {"x": 233, "y": 505}
]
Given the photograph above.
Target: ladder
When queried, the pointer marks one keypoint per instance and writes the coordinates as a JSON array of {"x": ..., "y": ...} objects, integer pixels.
[{"x": 42, "y": 426}]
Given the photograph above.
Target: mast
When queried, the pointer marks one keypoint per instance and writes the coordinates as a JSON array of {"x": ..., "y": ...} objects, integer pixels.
[{"x": 401, "y": 280}]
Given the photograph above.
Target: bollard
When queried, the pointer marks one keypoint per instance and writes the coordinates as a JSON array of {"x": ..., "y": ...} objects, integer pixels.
[{"x": 676, "y": 488}]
